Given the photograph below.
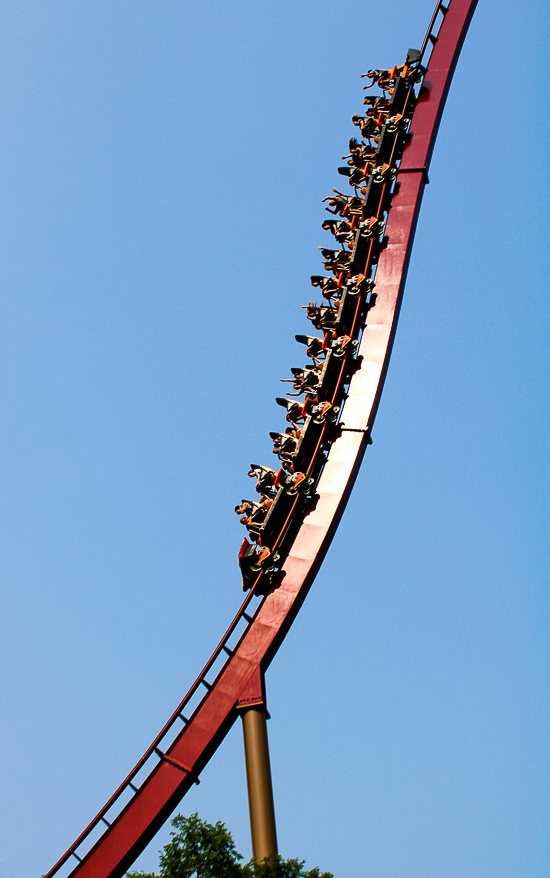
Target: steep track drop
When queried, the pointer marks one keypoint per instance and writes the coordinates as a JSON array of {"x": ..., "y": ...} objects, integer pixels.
[{"x": 173, "y": 762}]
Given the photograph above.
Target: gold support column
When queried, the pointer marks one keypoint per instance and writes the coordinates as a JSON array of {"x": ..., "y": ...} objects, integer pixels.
[{"x": 258, "y": 778}]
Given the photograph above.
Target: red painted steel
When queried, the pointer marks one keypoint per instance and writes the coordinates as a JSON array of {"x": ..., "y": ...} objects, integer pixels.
[{"x": 240, "y": 680}]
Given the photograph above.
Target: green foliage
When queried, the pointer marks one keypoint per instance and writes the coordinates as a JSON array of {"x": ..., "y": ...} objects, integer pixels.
[
  {"x": 204, "y": 850},
  {"x": 199, "y": 848},
  {"x": 276, "y": 867}
]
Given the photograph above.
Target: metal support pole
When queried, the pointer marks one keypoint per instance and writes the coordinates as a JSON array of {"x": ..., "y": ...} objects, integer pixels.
[{"x": 258, "y": 778}]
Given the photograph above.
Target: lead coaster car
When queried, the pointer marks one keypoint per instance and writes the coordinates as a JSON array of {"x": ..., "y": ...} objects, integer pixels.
[{"x": 255, "y": 559}]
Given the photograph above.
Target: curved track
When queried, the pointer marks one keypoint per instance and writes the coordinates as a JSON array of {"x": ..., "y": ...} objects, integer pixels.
[{"x": 146, "y": 798}]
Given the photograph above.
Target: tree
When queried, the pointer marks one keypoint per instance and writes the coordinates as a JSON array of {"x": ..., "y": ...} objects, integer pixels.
[
  {"x": 276, "y": 867},
  {"x": 205, "y": 850},
  {"x": 199, "y": 848}
]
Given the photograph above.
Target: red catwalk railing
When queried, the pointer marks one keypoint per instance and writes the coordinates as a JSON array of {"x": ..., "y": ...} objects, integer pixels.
[{"x": 139, "y": 807}]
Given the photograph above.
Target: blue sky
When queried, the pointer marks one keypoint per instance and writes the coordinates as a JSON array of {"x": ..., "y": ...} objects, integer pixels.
[{"x": 162, "y": 168}]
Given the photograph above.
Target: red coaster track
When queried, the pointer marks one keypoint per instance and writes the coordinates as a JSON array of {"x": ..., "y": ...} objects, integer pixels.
[{"x": 139, "y": 807}]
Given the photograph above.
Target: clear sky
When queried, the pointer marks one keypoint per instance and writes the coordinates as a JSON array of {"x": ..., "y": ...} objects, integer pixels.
[{"x": 162, "y": 168}]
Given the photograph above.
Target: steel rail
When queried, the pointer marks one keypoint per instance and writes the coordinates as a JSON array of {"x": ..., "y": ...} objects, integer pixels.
[{"x": 240, "y": 680}]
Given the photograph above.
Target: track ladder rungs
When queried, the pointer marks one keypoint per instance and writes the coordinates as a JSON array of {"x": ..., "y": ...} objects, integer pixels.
[{"x": 248, "y": 618}]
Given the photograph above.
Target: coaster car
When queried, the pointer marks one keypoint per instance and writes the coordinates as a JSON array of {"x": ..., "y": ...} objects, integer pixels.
[
  {"x": 386, "y": 147},
  {"x": 326, "y": 374},
  {"x": 277, "y": 518},
  {"x": 306, "y": 445},
  {"x": 393, "y": 123},
  {"x": 255, "y": 559},
  {"x": 354, "y": 305},
  {"x": 294, "y": 483},
  {"x": 317, "y": 411},
  {"x": 399, "y": 96},
  {"x": 330, "y": 373},
  {"x": 342, "y": 345},
  {"x": 359, "y": 284},
  {"x": 373, "y": 204},
  {"x": 337, "y": 346},
  {"x": 305, "y": 452},
  {"x": 383, "y": 172},
  {"x": 324, "y": 411},
  {"x": 296, "y": 488},
  {"x": 371, "y": 226}
]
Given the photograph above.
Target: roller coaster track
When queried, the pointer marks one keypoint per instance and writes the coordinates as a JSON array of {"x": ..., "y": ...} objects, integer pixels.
[{"x": 183, "y": 747}]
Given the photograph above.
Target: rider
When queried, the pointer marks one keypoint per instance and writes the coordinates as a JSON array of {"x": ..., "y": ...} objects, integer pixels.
[
  {"x": 253, "y": 514},
  {"x": 315, "y": 346},
  {"x": 358, "y": 168},
  {"x": 376, "y": 103},
  {"x": 358, "y": 152},
  {"x": 386, "y": 78},
  {"x": 344, "y": 205},
  {"x": 336, "y": 261},
  {"x": 329, "y": 286},
  {"x": 322, "y": 316},
  {"x": 342, "y": 230},
  {"x": 367, "y": 125},
  {"x": 304, "y": 380},
  {"x": 285, "y": 445},
  {"x": 296, "y": 411},
  {"x": 265, "y": 479}
]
